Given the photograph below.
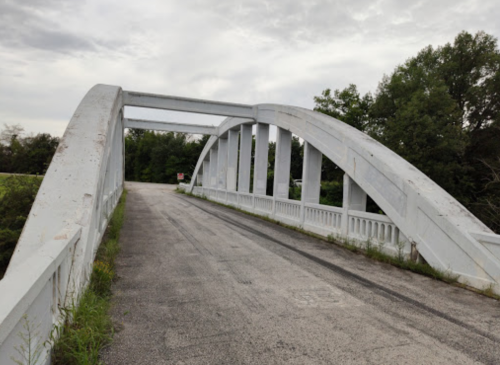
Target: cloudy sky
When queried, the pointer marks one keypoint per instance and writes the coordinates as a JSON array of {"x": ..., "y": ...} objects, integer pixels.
[{"x": 283, "y": 51}]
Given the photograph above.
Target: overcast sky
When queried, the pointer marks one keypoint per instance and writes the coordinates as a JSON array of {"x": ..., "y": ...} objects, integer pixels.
[{"x": 53, "y": 51}]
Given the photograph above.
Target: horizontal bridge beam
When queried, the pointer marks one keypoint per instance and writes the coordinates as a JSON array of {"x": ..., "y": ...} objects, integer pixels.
[
  {"x": 143, "y": 100},
  {"x": 169, "y": 126}
]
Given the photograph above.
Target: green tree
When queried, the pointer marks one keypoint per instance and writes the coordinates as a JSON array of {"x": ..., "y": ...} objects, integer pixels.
[
  {"x": 18, "y": 195},
  {"x": 440, "y": 110},
  {"x": 470, "y": 67},
  {"x": 346, "y": 105}
]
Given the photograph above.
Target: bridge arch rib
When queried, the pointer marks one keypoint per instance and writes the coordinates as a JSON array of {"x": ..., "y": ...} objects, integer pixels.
[{"x": 447, "y": 236}]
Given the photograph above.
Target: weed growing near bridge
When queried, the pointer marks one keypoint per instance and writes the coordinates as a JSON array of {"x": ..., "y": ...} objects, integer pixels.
[
  {"x": 88, "y": 327},
  {"x": 376, "y": 253}
]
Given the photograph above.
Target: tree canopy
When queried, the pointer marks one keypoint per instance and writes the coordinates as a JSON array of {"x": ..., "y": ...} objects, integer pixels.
[{"x": 440, "y": 110}]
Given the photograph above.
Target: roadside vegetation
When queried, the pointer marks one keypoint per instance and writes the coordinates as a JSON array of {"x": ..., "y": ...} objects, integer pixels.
[
  {"x": 17, "y": 194},
  {"x": 24, "y": 154},
  {"x": 88, "y": 326}
]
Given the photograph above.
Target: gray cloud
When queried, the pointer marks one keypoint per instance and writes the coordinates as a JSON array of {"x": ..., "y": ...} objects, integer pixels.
[{"x": 287, "y": 51}]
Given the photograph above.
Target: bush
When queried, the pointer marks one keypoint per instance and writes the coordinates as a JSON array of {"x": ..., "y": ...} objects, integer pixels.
[{"x": 16, "y": 198}]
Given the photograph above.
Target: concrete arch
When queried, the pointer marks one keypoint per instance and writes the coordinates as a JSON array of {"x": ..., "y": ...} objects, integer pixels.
[{"x": 447, "y": 235}]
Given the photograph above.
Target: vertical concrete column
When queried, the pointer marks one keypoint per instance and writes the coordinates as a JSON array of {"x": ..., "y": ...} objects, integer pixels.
[
  {"x": 282, "y": 163},
  {"x": 354, "y": 198},
  {"x": 213, "y": 167},
  {"x": 311, "y": 174},
  {"x": 121, "y": 153},
  {"x": 245, "y": 158},
  {"x": 206, "y": 174},
  {"x": 260, "y": 163},
  {"x": 232, "y": 159},
  {"x": 222, "y": 164}
]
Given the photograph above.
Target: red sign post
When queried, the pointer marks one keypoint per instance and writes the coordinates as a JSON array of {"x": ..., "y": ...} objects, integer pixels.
[{"x": 180, "y": 176}]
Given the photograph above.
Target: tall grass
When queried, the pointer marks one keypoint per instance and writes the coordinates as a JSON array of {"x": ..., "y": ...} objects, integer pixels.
[{"x": 88, "y": 327}]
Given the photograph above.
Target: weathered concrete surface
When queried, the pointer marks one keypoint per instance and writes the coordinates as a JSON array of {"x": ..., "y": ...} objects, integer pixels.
[{"x": 202, "y": 284}]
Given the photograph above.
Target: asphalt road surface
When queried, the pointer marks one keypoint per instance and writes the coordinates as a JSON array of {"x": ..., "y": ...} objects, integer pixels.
[{"x": 204, "y": 284}]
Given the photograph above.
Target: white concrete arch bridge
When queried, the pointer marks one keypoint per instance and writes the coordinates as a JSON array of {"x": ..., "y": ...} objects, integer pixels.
[{"x": 54, "y": 255}]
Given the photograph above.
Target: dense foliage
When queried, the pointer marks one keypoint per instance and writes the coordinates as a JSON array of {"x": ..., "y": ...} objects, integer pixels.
[
  {"x": 440, "y": 111},
  {"x": 25, "y": 155},
  {"x": 17, "y": 194},
  {"x": 158, "y": 157}
]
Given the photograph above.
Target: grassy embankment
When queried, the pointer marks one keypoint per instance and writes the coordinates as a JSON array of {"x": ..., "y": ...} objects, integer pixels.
[{"x": 81, "y": 339}]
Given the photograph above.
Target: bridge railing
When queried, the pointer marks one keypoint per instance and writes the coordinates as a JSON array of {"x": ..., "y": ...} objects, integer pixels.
[
  {"x": 323, "y": 219},
  {"x": 32, "y": 297},
  {"x": 362, "y": 227}
]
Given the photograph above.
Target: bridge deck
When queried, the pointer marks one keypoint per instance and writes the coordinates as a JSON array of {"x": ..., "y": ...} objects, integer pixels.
[{"x": 202, "y": 284}]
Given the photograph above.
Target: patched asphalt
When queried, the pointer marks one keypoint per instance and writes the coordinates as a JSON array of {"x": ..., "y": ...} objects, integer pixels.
[{"x": 203, "y": 284}]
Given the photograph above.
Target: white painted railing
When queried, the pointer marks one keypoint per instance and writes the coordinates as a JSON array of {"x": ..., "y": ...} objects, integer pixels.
[
  {"x": 245, "y": 201},
  {"x": 375, "y": 227},
  {"x": 33, "y": 294},
  {"x": 362, "y": 227},
  {"x": 232, "y": 198},
  {"x": 183, "y": 186},
  {"x": 289, "y": 209},
  {"x": 263, "y": 203},
  {"x": 323, "y": 219}
]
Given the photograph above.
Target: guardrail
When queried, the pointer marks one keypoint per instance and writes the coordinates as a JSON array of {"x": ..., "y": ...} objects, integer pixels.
[
  {"x": 33, "y": 294},
  {"x": 324, "y": 220}
]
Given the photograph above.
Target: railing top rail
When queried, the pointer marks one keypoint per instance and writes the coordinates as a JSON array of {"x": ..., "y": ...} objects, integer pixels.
[
  {"x": 371, "y": 216},
  {"x": 263, "y": 196},
  {"x": 328, "y": 208},
  {"x": 289, "y": 201},
  {"x": 25, "y": 282}
]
